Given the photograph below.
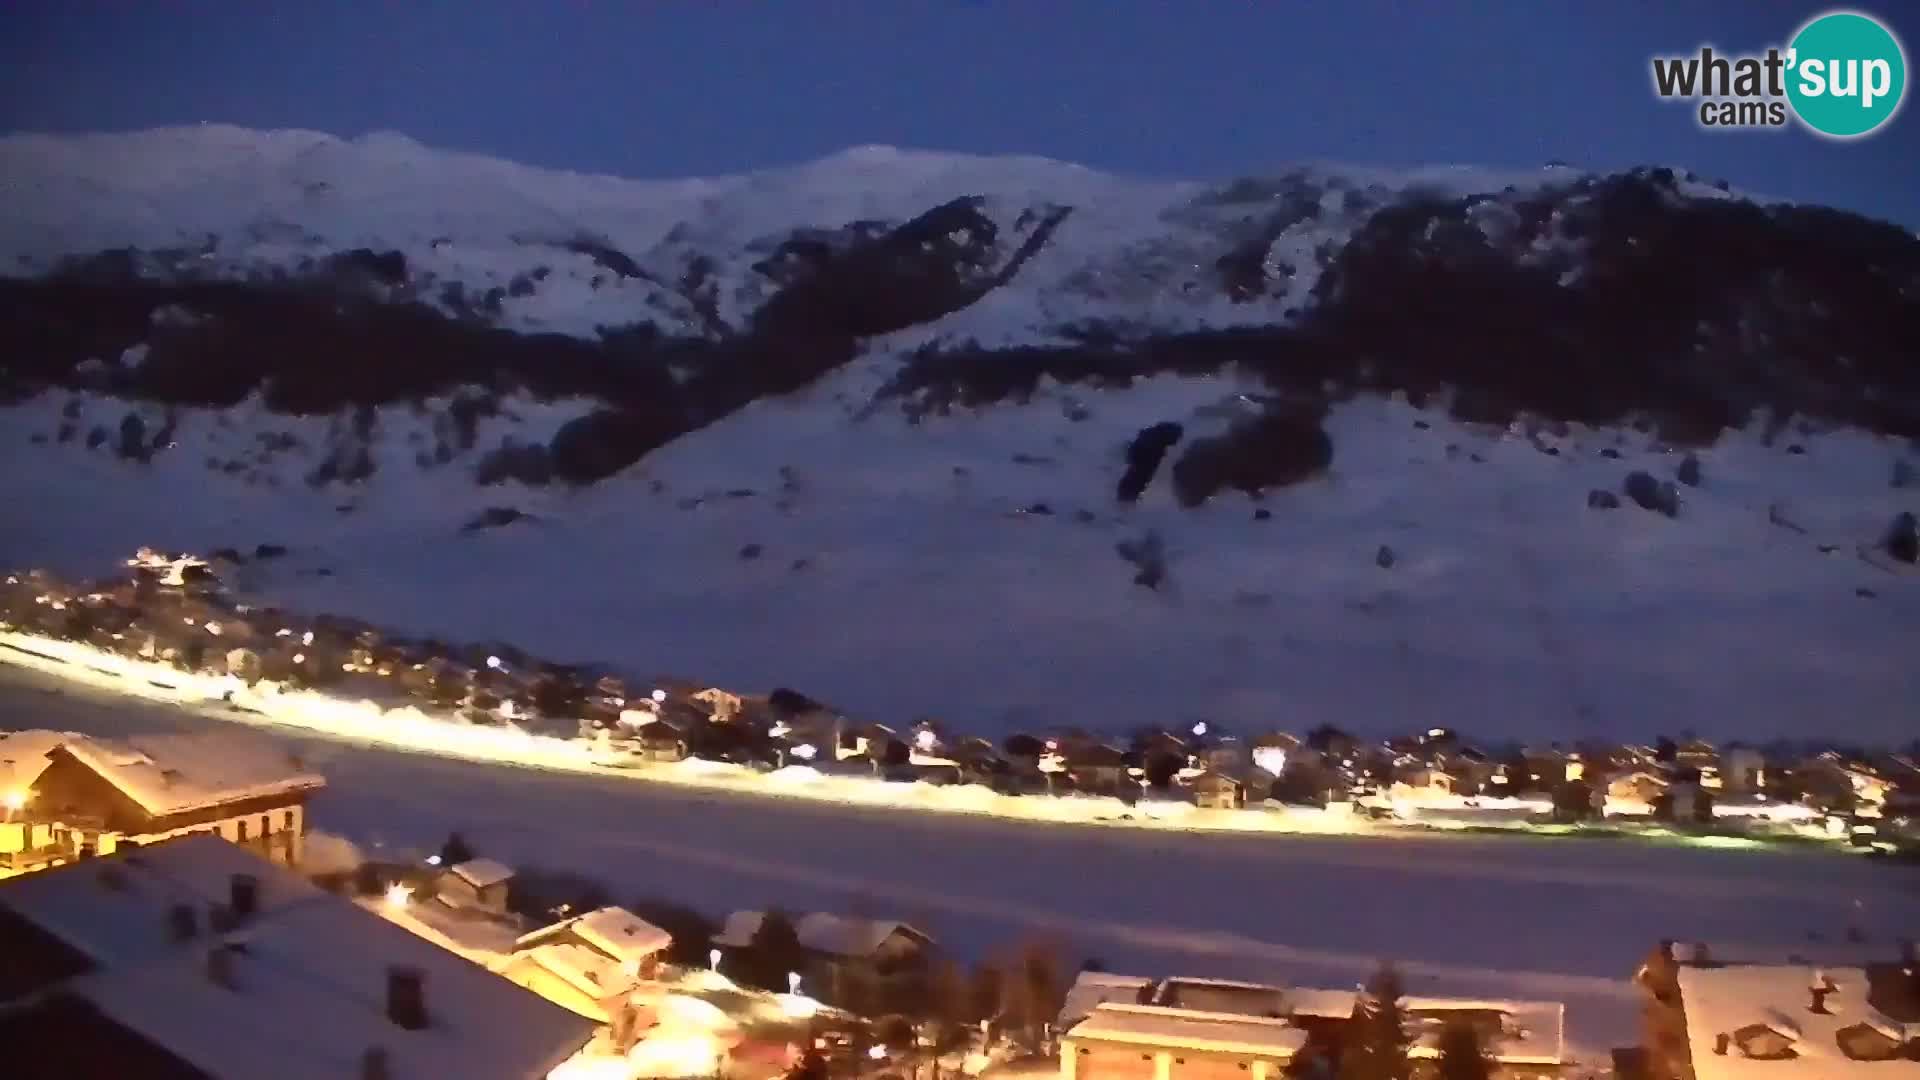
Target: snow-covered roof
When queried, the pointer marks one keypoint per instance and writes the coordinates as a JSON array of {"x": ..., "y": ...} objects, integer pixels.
[
  {"x": 582, "y": 968},
  {"x": 1532, "y": 1032},
  {"x": 481, "y": 873},
  {"x": 23, "y": 756},
  {"x": 1725, "y": 1000},
  {"x": 176, "y": 773},
  {"x": 1091, "y": 989},
  {"x": 1227, "y": 1033},
  {"x": 306, "y": 997},
  {"x": 621, "y": 934},
  {"x": 835, "y": 935}
]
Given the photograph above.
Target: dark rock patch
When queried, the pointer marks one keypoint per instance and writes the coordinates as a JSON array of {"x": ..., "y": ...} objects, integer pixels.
[
  {"x": 1689, "y": 471},
  {"x": 1648, "y": 493},
  {"x": 1281, "y": 447},
  {"x": 1903, "y": 538},
  {"x": 751, "y": 551},
  {"x": 1602, "y": 500},
  {"x": 1148, "y": 556},
  {"x": 133, "y": 439},
  {"x": 492, "y": 518},
  {"x": 1384, "y": 558},
  {"x": 1144, "y": 454}
]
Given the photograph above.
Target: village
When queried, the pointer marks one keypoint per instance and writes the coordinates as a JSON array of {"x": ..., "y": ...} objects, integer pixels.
[
  {"x": 168, "y": 909},
  {"x": 174, "y": 611}
]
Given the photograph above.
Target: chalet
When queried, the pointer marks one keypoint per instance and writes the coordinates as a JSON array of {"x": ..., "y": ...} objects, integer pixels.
[
  {"x": 1697, "y": 754},
  {"x": 1095, "y": 767},
  {"x": 479, "y": 884},
  {"x": 1205, "y": 1029},
  {"x": 1219, "y": 791},
  {"x": 850, "y": 961},
  {"x": 978, "y": 762},
  {"x": 722, "y": 705},
  {"x": 1715, "y": 1020},
  {"x": 1092, "y": 989},
  {"x": 589, "y": 963},
  {"x": 1641, "y": 788},
  {"x": 1424, "y": 782},
  {"x": 1685, "y": 802},
  {"x": 661, "y": 740},
  {"x": 1227, "y": 754},
  {"x": 194, "y": 959},
  {"x": 98, "y": 793},
  {"x": 1118, "y": 1039},
  {"x": 26, "y": 840},
  {"x": 1743, "y": 770}
]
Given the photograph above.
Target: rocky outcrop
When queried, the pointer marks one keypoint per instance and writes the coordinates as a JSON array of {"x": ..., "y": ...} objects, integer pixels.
[
  {"x": 1144, "y": 455},
  {"x": 1902, "y": 541},
  {"x": 1281, "y": 447},
  {"x": 1648, "y": 493}
]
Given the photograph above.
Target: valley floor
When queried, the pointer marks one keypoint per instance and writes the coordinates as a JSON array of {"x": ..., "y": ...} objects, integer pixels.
[{"x": 1507, "y": 917}]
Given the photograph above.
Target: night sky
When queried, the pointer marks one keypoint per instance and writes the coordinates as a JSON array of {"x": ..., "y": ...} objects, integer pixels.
[{"x": 1198, "y": 88}]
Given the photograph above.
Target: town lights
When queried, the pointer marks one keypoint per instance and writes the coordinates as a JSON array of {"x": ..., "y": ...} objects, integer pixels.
[
  {"x": 926, "y": 740},
  {"x": 1200, "y": 728},
  {"x": 398, "y": 895},
  {"x": 713, "y": 960},
  {"x": 493, "y": 662},
  {"x": 306, "y": 638},
  {"x": 16, "y": 801},
  {"x": 793, "y": 982},
  {"x": 804, "y": 752},
  {"x": 659, "y": 697}
]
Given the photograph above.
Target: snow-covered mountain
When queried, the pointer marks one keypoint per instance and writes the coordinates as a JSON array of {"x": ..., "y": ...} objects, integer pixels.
[{"x": 1000, "y": 439}]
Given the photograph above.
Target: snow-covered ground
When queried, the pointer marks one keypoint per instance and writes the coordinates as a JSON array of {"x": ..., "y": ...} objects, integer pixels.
[
  {"x": 899, "y": 576},
  {"x": 236, "y": 200},
  {"x": 1546, "y": 919}
]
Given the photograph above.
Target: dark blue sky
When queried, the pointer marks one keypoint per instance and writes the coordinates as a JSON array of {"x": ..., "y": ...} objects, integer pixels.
[{"x": 1161, "y": 87}]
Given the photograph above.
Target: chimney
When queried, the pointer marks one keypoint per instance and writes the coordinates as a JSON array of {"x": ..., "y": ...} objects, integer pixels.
[
  {"x": 374, "y": 1065},
  {"x": 1721, "y": 1042},
  {"x": 243, "y": 896},
  {"x": 182, "y": 923},
  {"x": 1819, "y": 996},
  {"x": 407, "y": 997},
  {"x": 220, "y": 966},
  {"x": 220, "y": 918}
]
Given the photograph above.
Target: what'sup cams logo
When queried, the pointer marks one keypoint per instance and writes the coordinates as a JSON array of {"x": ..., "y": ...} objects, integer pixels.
[{"x": 1842, "y": 75}]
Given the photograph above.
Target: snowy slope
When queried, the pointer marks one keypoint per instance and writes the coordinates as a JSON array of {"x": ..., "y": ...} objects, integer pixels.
[
  {"x": 902, "y": 574},
  {"x": 963, "y": 562},
  {"x": 232, "y": 200}
]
